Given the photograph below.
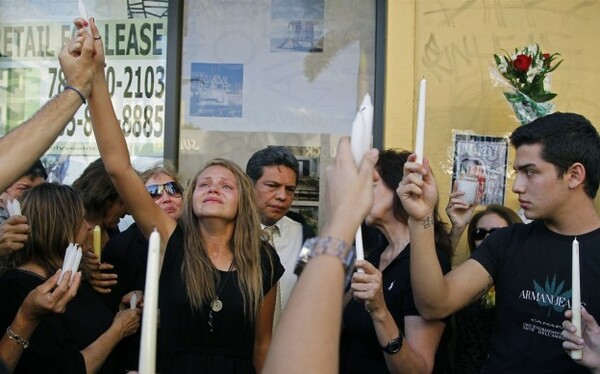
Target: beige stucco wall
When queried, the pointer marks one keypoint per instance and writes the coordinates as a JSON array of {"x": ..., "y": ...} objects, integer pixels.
[{"x": 451, "y": 43}]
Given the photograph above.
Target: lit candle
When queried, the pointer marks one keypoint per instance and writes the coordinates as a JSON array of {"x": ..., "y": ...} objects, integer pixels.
[
  {"x": 147, "y": 363},
  {"x": 98, "y": 242},
  {"x": 360, "y": 143},
  {"x": 576, "y": 297},
  {"x": 420, "y": 134}
]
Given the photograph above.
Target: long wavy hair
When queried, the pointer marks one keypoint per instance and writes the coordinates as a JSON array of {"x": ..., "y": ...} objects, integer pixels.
[
  {"x": 55, "y": 213},
  {"x": 199, "y": 274}
]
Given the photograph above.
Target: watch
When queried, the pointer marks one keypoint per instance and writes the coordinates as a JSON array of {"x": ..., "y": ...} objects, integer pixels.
[
  {"x": 327, "y": 246},
  {"x": 394, "y": 345}
]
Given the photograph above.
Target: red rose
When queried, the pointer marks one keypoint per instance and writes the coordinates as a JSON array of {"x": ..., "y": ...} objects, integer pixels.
[
  {"x": 522, "y": 63},
  {"x": 546, "y": 56}
]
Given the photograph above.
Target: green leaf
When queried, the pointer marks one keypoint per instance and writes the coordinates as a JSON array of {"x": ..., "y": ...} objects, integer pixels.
[{"x": 555, "y": 66}]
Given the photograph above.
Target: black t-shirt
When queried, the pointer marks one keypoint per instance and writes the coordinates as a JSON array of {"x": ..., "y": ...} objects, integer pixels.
[
  {"x": 531, "y": 268},
  {"x": 186, "y": 343}
]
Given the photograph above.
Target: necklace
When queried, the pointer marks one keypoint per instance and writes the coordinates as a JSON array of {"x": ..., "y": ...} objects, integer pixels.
[{"x": 216, "y": 305}]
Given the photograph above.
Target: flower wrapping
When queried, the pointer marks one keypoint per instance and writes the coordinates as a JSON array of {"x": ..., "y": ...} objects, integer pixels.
[{"x": 525, "y": 77}]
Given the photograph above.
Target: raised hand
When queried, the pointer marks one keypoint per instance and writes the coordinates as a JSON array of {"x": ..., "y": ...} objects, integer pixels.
[
  {"x": 13, "y": 234},
  {"x": 76, "y": 62},
  {"x": 417, "y": 190},
  {"x": 459, "y": 212}
]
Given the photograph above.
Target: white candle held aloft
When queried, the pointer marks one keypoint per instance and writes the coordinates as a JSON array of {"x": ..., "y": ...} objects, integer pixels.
[
  {"x": 576, "y": 297},
  {"x": 420, "y": 133},
  {"x": 360, "y": 143},
  {"x": 147, "y": 363},
  {"x": 362, "y": 130}
]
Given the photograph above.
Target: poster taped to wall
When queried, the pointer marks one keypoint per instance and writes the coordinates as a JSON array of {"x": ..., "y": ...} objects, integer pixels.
[
  {"x": 486, "y": 158},
  {"x": 30, "y": 75}
]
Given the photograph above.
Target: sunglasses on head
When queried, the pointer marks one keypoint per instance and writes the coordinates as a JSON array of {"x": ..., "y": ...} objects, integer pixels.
[
  {"x": 480, "y": 233},
  {"x": 172, "y": 188}
]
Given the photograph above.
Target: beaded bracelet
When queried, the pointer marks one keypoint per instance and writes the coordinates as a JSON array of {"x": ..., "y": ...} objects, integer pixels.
[
  {"x": 19, "y": 340},
  {"x": 78, "y": 92}
]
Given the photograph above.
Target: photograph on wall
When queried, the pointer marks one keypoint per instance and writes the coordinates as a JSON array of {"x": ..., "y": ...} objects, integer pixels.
[
  {"x": 484, "y": 159},
  {"x": 216, "y": 90},
  {"x": 297, "y": 26}
]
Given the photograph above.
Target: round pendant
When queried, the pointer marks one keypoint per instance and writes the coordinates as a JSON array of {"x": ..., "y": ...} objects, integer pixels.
[{"x": 216, "y": 305}]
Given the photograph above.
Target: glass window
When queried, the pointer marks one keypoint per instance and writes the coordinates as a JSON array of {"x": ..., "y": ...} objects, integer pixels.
[
  {"x": 274, "y": 72},
  {"x": 32, "y": 34}
]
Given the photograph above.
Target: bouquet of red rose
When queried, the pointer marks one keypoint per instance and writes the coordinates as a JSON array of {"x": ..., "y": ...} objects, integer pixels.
[{"x": 526, "y": 75}]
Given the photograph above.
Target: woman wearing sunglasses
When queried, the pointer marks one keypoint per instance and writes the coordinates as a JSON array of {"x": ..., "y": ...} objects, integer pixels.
[
  {"x": 474, "y": 324},
  {"x": 127, "y": 251},
  {"x": 216, "y": 288}
]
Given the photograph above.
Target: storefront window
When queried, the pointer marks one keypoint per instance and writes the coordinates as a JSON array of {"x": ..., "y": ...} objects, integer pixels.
[
  {"x": 32, "y": 34},
  {"x": 273, "y": 72}
]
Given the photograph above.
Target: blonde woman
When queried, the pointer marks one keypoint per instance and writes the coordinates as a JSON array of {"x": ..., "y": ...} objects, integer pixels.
[{"x": 216, "y": 294}]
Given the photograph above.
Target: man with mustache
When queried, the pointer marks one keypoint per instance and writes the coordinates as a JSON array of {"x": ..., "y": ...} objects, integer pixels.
[{"x": 274, "y": 171}]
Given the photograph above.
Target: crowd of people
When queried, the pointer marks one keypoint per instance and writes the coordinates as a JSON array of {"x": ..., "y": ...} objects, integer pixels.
[{"x": 233, "y": 297}]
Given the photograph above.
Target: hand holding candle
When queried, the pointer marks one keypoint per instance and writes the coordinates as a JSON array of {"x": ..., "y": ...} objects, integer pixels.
[
  {"x": 147, "y": 363},
  {"x": 360, "y": 143},
  {"x": 576, "y": 297}
]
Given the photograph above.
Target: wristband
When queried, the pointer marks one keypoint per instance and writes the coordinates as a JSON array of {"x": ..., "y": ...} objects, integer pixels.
[
  {"x": 19, "y": 340},
  {"x": 78, "y": 93}
]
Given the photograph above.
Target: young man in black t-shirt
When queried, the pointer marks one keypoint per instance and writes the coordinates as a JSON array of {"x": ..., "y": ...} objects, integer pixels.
[{"x": 557, "y": 167}]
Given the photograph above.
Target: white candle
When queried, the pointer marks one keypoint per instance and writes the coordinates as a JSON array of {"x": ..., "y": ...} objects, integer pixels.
[
  {"x": 360, "y": 143},
  {"x": 76, "y": 261},
  {"x": 67, "y": 261},
  {"x": 420, "y": 134},
  {"x": 98, "y": 242},
  {"x": 147, "y": 363},
  {"x": 576, "y": 297}
]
